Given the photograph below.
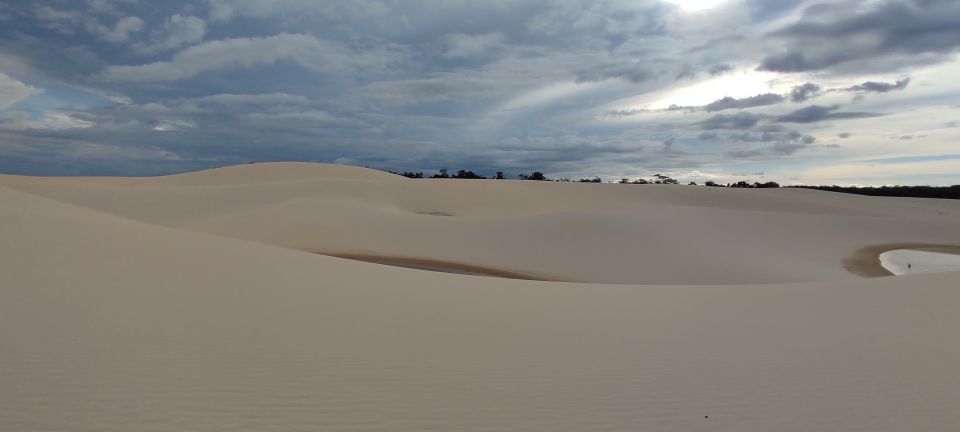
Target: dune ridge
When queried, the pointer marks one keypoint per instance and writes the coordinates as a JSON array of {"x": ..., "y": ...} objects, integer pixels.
[{"x": 583, "y": 232}]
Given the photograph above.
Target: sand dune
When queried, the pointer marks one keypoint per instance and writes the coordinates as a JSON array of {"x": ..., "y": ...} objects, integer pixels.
[
  {"x": 196, "y": 302},
  {"x": 572, "y": 232}
]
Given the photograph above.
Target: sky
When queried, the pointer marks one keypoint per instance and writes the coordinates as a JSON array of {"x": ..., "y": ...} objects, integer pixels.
[{"x": 813, "y": 92}]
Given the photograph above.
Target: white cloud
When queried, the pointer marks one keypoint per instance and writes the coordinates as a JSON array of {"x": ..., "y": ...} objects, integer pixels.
[
  {"x": 101, "y": 6},
  {"x": 47, "y": 13},
  {"x": 315, "y": 54},
  {"x": 55, "y": 120},
  {"x": 13, "y": 91},
  {"x": 174, "y": 125},
  {"x": 177, "y": 31},
  {"x": 220, "y": 11},
  {"x": 20, "y": 120},
  {"x": 58, "y": 20},
  {"x": 121, "y": 31}
]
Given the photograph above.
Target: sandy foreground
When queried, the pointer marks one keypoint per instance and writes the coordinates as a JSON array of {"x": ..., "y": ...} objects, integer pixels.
[{"x": 208, "y": 302}]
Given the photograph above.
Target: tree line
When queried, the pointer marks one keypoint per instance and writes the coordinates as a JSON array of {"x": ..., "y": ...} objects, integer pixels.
[{"x": 944, "y": 192}]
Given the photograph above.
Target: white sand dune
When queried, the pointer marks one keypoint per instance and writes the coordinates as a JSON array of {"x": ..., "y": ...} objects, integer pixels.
[{"x": 194, "y": 302}]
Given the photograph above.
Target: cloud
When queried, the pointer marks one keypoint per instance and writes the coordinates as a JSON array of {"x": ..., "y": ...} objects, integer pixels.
[
  {"x": 741, "y": 120},
  {"x": 121, "y": 31},
  {"x": 61, "y": 21},
  {"x": 803, "y": 92},
  {"x": 174, "y": 125},
  {"x": 177, "y": 31},
  {"x": 668, "y": 145},
  {"x": 102, "y": 6},
  {"x": 47, "y": 13},
  {"x": 260, "y": 101},
  {"x": 459, "y": 45},
  {"x": 310, "y": 52},
  {"x": 565, "y": 87},
  {"x": 633, "y": 72},
  {"x": 817, "y": 113},
  {"x": 872, "y": 34},
  {"x": 788, "y": 136},
  {"x": 879, "y": 87},
  {"x": 770, "y": 143},
  {"x": 21, "y": 120},
  {"x": 719, "y": 69},
  {"x": 430, "y": 90},
  {"x": 748, "y": 102},
  {"x": 220, "y": 10},
  {"x": 13, "y": 91}
]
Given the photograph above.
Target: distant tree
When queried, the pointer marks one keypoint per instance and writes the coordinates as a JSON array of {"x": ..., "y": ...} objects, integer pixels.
[
  {"x": 662, "y": 179},
  {"x": 741, "y": 184},
  {"x": 443, "y": 174},
  {"x": 624, "y": 181},
  {"x": 464, "y": 174},
  {"x": 692, "y": 183},
  {"x": 593, "y": 180},
  {"x": 409, "y": 174},
  {"x": 767, "y": 185},
  {"x": 499, "y": 175},
  {"x": 712, "y": 183},
  {"x": 641, "y": 181},
  {"x": 943, "y": 192},
  {"x": 536, "y": 175}
]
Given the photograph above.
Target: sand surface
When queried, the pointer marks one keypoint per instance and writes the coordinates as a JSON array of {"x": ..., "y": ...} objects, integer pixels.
[{"x": 203, "y": 302}]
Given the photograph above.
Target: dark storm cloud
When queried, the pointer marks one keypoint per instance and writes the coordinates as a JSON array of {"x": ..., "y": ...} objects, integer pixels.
[
  {"x": 803, "y": 92},
  {"x": 879, "y": 87},
  {"x": 870, "y": 35},
  {"x": 769, "y": 144},
  {"x": 817, "y": 113},
  {"x": 748, "y": 102},
  {"x": 741, "y": 120},
  {"x": 788, "y": 136}
]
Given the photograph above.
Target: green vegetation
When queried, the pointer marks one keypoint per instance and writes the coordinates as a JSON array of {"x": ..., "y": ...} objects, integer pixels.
[{"x": 944, "y": 192}]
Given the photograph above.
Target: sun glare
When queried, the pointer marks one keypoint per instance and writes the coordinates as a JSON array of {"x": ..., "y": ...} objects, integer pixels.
[
  {"x": 696, "y": 5},
  {"x": 739, "y": 85}
]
